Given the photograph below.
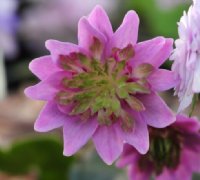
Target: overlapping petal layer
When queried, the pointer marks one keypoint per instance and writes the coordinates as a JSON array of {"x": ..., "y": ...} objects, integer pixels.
[{"x": 104, "y": 88}]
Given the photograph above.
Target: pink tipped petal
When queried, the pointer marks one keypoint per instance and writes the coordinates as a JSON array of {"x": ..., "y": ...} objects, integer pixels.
[
  {"x": 157, "y": 113},
  {"x": 43, "y": 67},
  {"x": 162, "y": 80},
  {"x": 86, "y": 33},
  {"x": 154, "y": 51},
  {"x": 108, "y": 144},
  {"x": 57, "y": 48},
  {"x": 47, "y": 89},
  {"x": 99, "y": 20},
  {"x": 127, "y": 33},
  {"x": 77, "y": 133},
  {"x": 138, "y": 137},
  {"x": 49, "y": 118}
]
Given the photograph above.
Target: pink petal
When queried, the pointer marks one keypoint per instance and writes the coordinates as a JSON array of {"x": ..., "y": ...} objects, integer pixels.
[
  {"x": 138, "y": 137},
  {"x": 127, "y": 33},
  {"x": 157, "y": 113},
  {"x": 108, "y": 144},
  {"x": 126, "y": 160},
  {"x": 162, "y": 80},
  {"x": 66, "y": 109},
  {"x": 57, "y": 48},
  {"x": 49, "y": 118},
  {"x": 135, "y": 173},
  {"x": 154, "y": 51},
  {"x": 77, "y": 133},
  {"x": 175, "y": 174},
  {"x": 166, "y": 175},
  {"x": 47, "y": 89},
  {"x": 99, "y": 20},
  {"x": 187, "y": 124},
  {"x": 86, "y": 33},
  {"x": 43, "y": 67},
  {"x": 190, "y": 160},
  {"x": 128, "y": 157}
]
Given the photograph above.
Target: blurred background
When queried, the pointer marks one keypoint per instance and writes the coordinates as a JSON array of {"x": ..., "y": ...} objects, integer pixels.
[{"x": 24, "y": 27}]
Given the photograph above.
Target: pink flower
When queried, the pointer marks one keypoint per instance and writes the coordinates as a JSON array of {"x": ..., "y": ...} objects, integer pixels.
[
  {"x": 105, "y": 88},
  {"x": 173, "y": 153},
  {"x": 186, "y": 56}
]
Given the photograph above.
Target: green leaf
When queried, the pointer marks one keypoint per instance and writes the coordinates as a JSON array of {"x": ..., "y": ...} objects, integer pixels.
[{"x": 43, "y": 154}]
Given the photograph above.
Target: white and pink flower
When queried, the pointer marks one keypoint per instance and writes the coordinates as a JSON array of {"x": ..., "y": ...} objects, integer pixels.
[{"x": 186, "y": 56}]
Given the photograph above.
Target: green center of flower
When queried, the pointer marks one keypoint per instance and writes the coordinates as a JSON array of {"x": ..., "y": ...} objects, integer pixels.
[
  {"x": 164, "y": 152},
  {"x": 104, "y": 88}
]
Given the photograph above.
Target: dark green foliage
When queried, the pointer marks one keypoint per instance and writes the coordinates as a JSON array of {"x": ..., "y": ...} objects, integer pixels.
[{"x": 41, "y": 155}]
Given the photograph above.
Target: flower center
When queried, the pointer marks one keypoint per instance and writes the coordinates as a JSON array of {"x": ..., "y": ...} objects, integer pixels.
[
  {"x": 104, "y": 89},
  {"x": 165, "y": 149}
]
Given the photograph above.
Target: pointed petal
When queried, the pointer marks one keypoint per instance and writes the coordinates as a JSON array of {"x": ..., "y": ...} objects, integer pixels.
[
  {"x": 157, "y": 113},
  {"x": 77, "y": 133},
  {"x": 47, "y": 89},
  {"x": 162, "y": 80},
  {"x": 43, "y": 67},
  {"x": 99, "y": 20},
  {"x": 126, "y": 34},
  {"x": 108, "y": 144},
  {"x": 86, "y": 34},
  {"x": 138, "y": 137},
  {"x": 154, "y": 51},
  {"x": 57, "y": 48},
  {"x": 49, "y": 118}
]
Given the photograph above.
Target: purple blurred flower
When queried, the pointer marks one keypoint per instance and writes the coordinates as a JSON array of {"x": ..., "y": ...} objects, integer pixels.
[
  {"x": 186, "y": 56},
  {"x": 56, "y": 19},
  {"x": 105, "y": 87},
  {"x": 174, "y": 153},
  {"x": 8, "y": 21}
]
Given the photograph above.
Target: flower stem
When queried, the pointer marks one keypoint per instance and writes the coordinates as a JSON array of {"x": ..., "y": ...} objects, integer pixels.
[{"x": 194, "y": 102}]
